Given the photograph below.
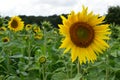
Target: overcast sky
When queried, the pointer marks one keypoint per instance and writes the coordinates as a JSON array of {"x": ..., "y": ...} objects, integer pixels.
[{"x": 50, "y": 7}]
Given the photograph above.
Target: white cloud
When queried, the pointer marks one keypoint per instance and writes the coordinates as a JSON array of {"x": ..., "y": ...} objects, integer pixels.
[
  {"x": 57, "y": 2},
  {"x": 50, "y": 7}
]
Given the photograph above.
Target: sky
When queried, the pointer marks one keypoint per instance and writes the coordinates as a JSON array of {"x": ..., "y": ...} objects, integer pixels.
[{"x": 51, "y": 7}]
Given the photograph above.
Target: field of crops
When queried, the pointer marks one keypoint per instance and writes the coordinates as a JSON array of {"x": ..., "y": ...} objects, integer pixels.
[{"x": 33, "y": 52}]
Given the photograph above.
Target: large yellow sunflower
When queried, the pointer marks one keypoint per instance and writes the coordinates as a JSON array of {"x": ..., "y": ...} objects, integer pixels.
[
  {"x": 85, "y": 35},
  {"x": 15, "y": 23}
]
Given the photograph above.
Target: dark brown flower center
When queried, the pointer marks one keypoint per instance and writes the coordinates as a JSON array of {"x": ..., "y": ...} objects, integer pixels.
[
  {"x": 5, "y": 40},
  {"x": 14, "y": 24},
  {"x": 81, "y": 34},
  {"x": 2, "y": 29},
  {"x": 28, "y": 26}
]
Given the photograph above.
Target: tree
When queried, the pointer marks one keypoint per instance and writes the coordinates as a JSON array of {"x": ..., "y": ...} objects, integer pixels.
[{"x": 113, "y": 15}]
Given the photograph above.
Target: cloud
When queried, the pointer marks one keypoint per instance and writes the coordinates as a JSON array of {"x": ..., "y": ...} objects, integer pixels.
[
  {"x": 57, "y": 3},
  {"x": 50, "y": 7}
]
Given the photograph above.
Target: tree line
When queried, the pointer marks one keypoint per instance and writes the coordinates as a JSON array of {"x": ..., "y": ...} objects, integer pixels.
[
  {"x": 112, "y": 16},
  {"x": 53, "y": 19}
]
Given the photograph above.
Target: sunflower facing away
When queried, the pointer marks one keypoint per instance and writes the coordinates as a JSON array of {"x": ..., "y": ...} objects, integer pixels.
[
  {"x": 85, "y": 35},
  {"x": 15, "y": 23}
]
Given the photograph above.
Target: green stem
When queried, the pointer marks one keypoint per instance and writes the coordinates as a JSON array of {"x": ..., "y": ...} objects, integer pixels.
[
  {"x": 78, "y": 67},
  {"x": 22, "y": 77},
  {"x": 8, "y": 62},
  {"x": 107, "y": 70},
  {"x": 8, "y": 65},
  {"x": 40, "y": 73},
  {"x": 44, "y": 51},
  {"x": 66, "y": 65},
  {"x": 43, "y": 72},
  {"x": 29, "y": 49},
  {"x": 106, "y": 74},
  {"x": 29, "y": 52},
  {"x": 71, "y": 70}
]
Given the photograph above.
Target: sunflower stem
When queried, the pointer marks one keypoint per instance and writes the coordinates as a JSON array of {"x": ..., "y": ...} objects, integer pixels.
[
  {"x": 78, "y": 67},
  {"x": 107, "y": 70},
  {"x": 43, "y": 72},
  {"x": 71, "y": 70},
  {"x": 29, "y": 47},
  {"x": 29, "y": 51},
  {"x": 8, "y": 64},
  {"x": 44, "y": 51},
  {"x": 21, "y": 77}
]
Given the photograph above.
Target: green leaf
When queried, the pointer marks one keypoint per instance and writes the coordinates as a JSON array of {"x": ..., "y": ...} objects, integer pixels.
[
  {"x": 114, "y": 54},
  {"x": 13, "y": 78},
  {"x": 59, "y": 76},
  {"x": 34, "y": 67},
  {"x": 17, "y": 56},
  {"x": 60, "y": 69},
  {"x": 1, "y": 77},
  {"x": 2, "y": 59},
  {"x": 96, "y": 64},
  {"x": 77, "y": 77}
]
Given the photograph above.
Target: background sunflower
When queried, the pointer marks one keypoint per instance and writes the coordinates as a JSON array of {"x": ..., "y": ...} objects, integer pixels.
[
  {"x": 15, "y": 23},
  {"x": 5, "y": 39},
  {"x": 28, "y": 27}
]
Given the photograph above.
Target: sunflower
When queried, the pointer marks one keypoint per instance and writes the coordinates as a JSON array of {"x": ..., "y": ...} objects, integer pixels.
[
  {"x": 15, "y": 23},
  {"x": 5, "y": 39},
  {"x": 84, "y": 35},
  {"x": 3, "y": 28},
  {"x": 36, "y": 29},
  {"x": 28, "y": 27},
  {"x": 38, "y": 36}
]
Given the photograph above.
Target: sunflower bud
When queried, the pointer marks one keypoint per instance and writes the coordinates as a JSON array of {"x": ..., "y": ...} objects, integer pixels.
[{"x": 42, "y": 59}]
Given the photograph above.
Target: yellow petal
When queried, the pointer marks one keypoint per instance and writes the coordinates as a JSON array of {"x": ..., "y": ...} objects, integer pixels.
[{"x": 74, "y": 53}]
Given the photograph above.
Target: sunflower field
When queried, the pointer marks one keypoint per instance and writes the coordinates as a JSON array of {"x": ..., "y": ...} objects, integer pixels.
[{"x": 82, "y": 48}]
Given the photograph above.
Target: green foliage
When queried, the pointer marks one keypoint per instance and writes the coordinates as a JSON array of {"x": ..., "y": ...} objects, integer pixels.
[
  {"x": 115, "y": 30},
  {"x": 3, "y": 22}
]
